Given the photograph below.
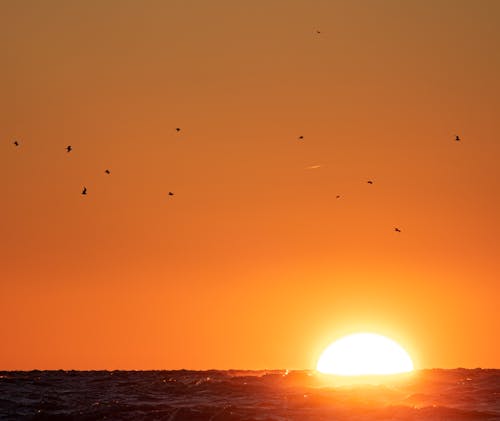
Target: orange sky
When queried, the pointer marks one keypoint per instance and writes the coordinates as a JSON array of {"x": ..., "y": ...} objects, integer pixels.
[{"x": 253, "y": 263}]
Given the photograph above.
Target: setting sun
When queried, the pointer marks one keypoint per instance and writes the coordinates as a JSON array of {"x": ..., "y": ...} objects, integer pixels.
[{"x": 364, "y": 354}]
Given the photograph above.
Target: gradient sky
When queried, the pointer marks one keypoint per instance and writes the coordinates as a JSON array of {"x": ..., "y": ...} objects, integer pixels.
[{"x": 253, "y": 263}]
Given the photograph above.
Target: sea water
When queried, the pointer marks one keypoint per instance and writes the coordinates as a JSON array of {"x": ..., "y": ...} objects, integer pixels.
[{"x": 458, "y": 394}]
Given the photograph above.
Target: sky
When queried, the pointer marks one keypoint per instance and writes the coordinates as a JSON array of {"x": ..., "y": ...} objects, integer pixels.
[{"x": 253, "y": 262}]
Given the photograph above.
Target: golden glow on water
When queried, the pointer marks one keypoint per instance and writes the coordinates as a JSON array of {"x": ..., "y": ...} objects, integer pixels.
[{"x": 364, "y": 354}]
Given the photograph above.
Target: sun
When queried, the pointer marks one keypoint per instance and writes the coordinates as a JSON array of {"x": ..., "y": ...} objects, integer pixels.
[{"x": 362, "y": 354}]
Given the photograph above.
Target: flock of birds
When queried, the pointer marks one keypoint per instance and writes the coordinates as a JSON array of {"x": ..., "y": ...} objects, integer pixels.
[{"x": 69, "y": 148}]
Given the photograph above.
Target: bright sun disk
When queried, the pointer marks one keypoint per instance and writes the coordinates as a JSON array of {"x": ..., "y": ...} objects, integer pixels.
[{"x": 362, "y": 354}]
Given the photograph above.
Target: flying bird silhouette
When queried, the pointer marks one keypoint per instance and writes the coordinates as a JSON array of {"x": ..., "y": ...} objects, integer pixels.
[
  {"x": 457, "y": 138},
  {"x": 397, "y": 229},
  {"x": 69, "y": 148},
  {"x": 370, "y": 182},
  {"x": 84, "y": 191},
  {"x": 301, "y": 137},
  {"x": 107, "y": 171},
  {"x": 170, "y": 193},
  {"x": 337, "y": 197},
  {"x": 177, "y": 129},
  {"x": 16, "y": 143}
]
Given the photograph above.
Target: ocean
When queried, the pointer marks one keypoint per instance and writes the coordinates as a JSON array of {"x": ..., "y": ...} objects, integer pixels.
[{"x": 459, "y": 394}]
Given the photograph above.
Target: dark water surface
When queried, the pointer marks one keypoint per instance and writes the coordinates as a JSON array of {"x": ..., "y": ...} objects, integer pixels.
[{"x": 246, "y": 395}]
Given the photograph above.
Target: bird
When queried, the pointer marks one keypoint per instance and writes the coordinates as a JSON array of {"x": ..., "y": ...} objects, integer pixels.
[
  {"x": 337, "y": 197},
  {"x": 107, "y": 171},
  {"x": 457, "y": 138},
  {"x": 84, "y": 191},
  {"x": 301, "y": 137},
  {"x": 16, "y": 143},
  {"x": 397, "y": 229},
  {"x": 170, "y": 193},
  {"x": 177, "y": 129},
  {"x": 370, "y": 182},
  {"x": 69, "y": 148}
]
